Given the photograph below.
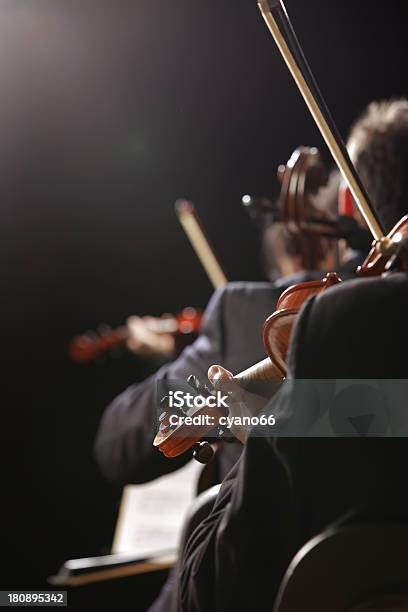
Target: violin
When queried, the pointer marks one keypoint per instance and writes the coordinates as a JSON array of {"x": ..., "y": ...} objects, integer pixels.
[
  {"x": 91, "y": 345},
  {"x": 386, "y": 250},
  {"x": 276, "y": 334},
  {"x": 184, "y": 325}
]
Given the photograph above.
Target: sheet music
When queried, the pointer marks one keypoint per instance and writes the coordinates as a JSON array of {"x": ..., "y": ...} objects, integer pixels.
[{"x": 151, "y": 515}]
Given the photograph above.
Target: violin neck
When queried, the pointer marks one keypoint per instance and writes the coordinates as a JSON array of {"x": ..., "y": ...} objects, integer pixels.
[{"x": 261, "y": 371}]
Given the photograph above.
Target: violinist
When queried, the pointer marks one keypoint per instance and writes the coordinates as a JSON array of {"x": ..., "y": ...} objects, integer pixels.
[{"x": 285, "y": 490}]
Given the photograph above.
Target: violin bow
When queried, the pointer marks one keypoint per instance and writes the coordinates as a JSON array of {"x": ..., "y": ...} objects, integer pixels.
[
  {"x": 280, "y": 26},
  {"x": 191, "y": 224}
]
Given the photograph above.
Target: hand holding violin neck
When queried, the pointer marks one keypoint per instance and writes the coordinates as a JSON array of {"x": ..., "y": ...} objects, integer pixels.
[{"x": 262, "y": 371}]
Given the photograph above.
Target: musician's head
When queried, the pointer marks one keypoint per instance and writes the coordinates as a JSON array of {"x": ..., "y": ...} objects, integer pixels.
[
  {"x": 378, "y": 147},
  {"x": 284, "y": 249}
]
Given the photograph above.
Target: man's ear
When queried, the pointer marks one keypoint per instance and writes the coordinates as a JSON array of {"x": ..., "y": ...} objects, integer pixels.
[{"x": 346, "y": 202}]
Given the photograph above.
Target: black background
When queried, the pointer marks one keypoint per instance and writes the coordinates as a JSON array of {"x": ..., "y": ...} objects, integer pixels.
[{"x": 109, "y": 111}]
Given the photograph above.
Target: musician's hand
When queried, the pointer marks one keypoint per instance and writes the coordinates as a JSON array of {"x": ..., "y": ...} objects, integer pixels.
[
  {"x": 240, "y": 403},
  {"x": 151, "y": 336}
]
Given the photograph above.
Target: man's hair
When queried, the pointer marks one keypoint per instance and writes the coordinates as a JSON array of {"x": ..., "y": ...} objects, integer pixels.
[{"x": 378, "y": 145}]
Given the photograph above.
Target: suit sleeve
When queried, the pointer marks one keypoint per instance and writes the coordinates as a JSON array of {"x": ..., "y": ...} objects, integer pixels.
[
  {"x": 123, "y": 447},
  {"x": 240, "y": 552}
]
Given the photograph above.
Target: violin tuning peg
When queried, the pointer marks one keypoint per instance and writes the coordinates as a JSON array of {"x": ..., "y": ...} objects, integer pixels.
[
  {"x": 194, "y": 382},
  {"x": 280, "y": 174},
  {"x": 203, "y": 452}
]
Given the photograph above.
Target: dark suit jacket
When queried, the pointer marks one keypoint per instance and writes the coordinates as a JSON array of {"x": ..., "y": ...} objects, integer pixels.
[
  {"x": 283, "y": 491},
  {"x": 231, "y": 336}
]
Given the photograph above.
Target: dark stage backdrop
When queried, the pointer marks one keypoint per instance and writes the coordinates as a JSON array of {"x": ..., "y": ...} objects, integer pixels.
[{"x": 109, "y": 111}]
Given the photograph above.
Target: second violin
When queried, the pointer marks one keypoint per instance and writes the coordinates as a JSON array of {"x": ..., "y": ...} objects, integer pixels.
[{"x": 91, "y": 345}]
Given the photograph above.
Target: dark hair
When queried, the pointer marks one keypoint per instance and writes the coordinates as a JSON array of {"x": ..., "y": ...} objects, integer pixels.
[{"x": 378, "y": 145}]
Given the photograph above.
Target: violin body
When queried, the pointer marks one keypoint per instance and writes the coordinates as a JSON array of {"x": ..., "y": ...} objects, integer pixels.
[{"x": 277, "y": 329}]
